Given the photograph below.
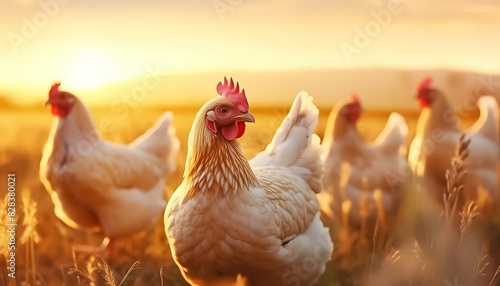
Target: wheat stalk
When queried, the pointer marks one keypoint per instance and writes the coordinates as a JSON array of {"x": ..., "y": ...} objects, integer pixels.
[
  {"x": 109, "y": 275},
  {"x": 106, "y": 271},
  {"x": 480, "y": 266},
  {"x": 468, "y": 213},
  {"x": 30, "y": 236},
  {"x": 454, "y": 177}
]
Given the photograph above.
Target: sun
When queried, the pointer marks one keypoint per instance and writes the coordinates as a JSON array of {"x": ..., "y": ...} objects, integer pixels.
[{"x": 91, "y": 69}]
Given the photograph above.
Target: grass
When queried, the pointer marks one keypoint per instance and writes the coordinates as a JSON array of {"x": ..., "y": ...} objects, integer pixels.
[{"x": 366, "y": 255}]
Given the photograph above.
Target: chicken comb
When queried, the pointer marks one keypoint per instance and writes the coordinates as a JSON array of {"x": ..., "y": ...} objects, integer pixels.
[
  {"x": 355, "y": 98},
  {"x": 54, "y": 90},
  {"x": 231, "y": 92},
  {"x": 424, "y": 84}
]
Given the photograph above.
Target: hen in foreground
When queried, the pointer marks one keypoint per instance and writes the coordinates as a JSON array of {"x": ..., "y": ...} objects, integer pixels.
[
  {"x": 234, "y": 222},
  {"x": 368, "y": 177},
  {"x": 101, "y": 186},
  {"x": 437, "y": 135}
]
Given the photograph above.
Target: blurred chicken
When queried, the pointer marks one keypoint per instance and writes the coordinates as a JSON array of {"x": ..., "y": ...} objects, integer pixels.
[
  {"x": 234, "y": 222},
  {"x": 436, "y": 139},
  {"x": 102, "y": 186},
  {"x": 369, "y": 177}
]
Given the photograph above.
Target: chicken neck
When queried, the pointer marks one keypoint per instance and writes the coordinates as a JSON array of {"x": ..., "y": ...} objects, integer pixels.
[
  {"x": 439, "y": 116},
  {"x": 77, "y": 129},
  {"x": 215, "y": 166}
]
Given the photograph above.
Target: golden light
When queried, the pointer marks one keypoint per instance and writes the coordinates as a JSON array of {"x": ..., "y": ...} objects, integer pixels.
[{"x": 91, "y": 69}]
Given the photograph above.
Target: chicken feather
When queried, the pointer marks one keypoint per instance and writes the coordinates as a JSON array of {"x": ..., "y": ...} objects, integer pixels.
[
  {"x": 232, "y": 222},
  {"x": 104, "y": 186}
]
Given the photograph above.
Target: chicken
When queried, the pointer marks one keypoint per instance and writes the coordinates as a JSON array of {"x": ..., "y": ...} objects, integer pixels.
[
  {"x": 235, "y": 222},
  {"x": 102, "y": 186},
  {"x": 369, "y": 177},
  {"x": 436, "y": 139}
]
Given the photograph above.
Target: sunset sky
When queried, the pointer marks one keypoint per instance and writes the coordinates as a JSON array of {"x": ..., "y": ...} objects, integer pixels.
[{"x": 93, "y": 43}]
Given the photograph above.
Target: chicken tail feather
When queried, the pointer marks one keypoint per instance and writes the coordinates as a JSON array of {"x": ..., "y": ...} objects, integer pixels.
[
  {"x": 295, "y": 145},
  {"x": 487, "y": 125},
  {"x": 161, "y": 141},
  {"x": 394, "y": 135}
]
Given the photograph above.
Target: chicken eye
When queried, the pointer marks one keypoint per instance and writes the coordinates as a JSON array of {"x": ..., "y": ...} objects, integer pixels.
[{"x": 223, "y": 110}]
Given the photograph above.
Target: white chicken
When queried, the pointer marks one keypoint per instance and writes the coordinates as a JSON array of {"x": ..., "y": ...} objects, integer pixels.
[
  {"x": 368, "y": 176},
  {"x": 101, "y": 186},
  {"x": 436, "y": 139},
  {"x": 234, "y": 222}
]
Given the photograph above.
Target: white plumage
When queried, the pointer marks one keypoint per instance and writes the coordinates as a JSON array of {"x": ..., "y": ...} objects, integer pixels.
[
  {"x": 437, "y": 137},
  {"x": 231, "y": 222},
  {"x": 367, "y": 175},
  {"x": 100, "y": 185}
]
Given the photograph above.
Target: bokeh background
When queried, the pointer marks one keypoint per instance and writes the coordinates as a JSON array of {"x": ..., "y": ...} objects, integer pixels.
[{"x": 132, "y": 60}]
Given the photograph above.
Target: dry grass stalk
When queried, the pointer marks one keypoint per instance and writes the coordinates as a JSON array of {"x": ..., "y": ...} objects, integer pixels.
[
  {"x": 161, "y": 275},
  {"x": 132, "y": 268},
  {"x": 73, "y": 254},
  {"x": 81, "y": 275},
  {"x": 30, "y": 236},
  {"x": 86, "y": 274},
  {"x": 392, "y": 256},
  {"x": 109, "y": 275},
  {"x": 468, "y": 213},
  {"x": 91, "y": 269},
  {"x": 454, "y": 177},
  {"x": 494, "y": 276},
  {"x": 419, "y": 255},
  {"x": 106, "y": 271},
  {"x": 480, "y": 267},
  {"x": 30, "y": 221}
]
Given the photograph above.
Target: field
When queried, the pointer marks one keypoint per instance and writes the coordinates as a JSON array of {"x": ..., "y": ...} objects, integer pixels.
[{"x": 44, "y": 244}]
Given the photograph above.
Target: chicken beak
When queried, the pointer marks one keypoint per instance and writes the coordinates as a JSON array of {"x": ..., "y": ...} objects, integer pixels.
[
  {"x": 47, "y": 102},
  {"x": 247, "y": 117}
]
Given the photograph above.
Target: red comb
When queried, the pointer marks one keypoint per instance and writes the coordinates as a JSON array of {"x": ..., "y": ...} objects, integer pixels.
[
  {"x": 425, "y": 84},
  {"x": 54, "y": 89},
  {"x": 355, "y": 97},
  {"x": 233, "y": 93}
]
